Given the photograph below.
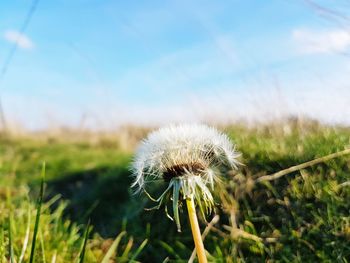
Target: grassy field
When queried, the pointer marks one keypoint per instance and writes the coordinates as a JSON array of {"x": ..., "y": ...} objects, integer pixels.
[{"x": 301, "y": 217}]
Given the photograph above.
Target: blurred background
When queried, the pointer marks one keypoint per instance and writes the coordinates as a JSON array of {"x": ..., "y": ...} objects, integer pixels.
[{"x": 102, "y": 64}]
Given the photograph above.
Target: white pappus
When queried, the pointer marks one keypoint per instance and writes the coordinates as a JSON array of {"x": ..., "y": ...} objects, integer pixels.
[{"x": 189, "y": 158}]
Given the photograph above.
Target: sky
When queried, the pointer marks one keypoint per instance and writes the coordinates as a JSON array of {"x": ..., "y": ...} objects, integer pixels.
[{"x": 103, "y": 63}]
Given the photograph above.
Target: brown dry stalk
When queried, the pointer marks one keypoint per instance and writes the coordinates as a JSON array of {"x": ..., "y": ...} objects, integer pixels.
[
  {"x": 302, "y": 166},
  {"x": 237, "y": 233}
]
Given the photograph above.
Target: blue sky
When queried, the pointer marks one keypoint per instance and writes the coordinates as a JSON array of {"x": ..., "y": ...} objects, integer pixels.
[{"x": 111, "y": 62}]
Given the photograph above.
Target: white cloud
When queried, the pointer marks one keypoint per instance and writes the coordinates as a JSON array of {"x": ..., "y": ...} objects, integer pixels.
[
  {"x": 310, "y": 41},
  {"x": 22, "y": 40}
]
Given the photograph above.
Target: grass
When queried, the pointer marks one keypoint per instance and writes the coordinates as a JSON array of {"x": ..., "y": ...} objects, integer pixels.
[
  {"x": 300, "y": 217},
  {"x": 53, "y": 238}
]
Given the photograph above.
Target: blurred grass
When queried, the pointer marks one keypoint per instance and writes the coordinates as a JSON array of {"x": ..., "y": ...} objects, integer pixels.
[
  {"x": 301, "y": 217},
  {"x": 58, "y": 239}
]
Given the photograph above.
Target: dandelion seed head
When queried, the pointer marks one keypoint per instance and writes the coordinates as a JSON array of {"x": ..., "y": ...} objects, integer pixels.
[
  {"x": 189, "y": 158},
  {"x": 184, "y": 149}
]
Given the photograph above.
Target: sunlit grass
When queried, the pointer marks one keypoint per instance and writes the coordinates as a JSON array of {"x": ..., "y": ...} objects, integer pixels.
[
  {"x": 33, "y": 232},
  {"x": 302, "y": 216}
]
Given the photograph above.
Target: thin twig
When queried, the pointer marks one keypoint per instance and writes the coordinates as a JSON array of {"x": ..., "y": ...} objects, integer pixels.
[{"x": 302, "y": 166}]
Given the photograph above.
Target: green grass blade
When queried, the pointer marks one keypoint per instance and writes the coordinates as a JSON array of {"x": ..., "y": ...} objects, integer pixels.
[
  {"x": 86, "y": 236},
  {"x": 138, "y": 251},
  {"x": 127, "y": 248},
  {"x": 12, "y": 260},
  {"x": 10, "y": 245},
  {"x": 113, "y": 248},
  {"x": 170, "y": 249},
  {"x": 38, "y": 212},
  {"x": 90, "y": 210}
]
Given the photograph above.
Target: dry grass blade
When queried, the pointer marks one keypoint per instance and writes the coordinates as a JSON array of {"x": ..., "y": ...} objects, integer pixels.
[
  {"x": 237, "y": 233},
  {"x": 54, "y": 257},
  {"x": 86, "y": 236},
  {"x": 344, "y": 184},
  {"x": 26, "y": 238}
]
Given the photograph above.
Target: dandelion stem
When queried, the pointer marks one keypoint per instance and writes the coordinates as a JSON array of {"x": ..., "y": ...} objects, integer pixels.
[{"x": 197, "y": 238}]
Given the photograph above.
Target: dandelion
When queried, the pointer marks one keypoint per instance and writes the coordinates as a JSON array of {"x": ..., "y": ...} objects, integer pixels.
[{"x": 190, "y": 159}]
